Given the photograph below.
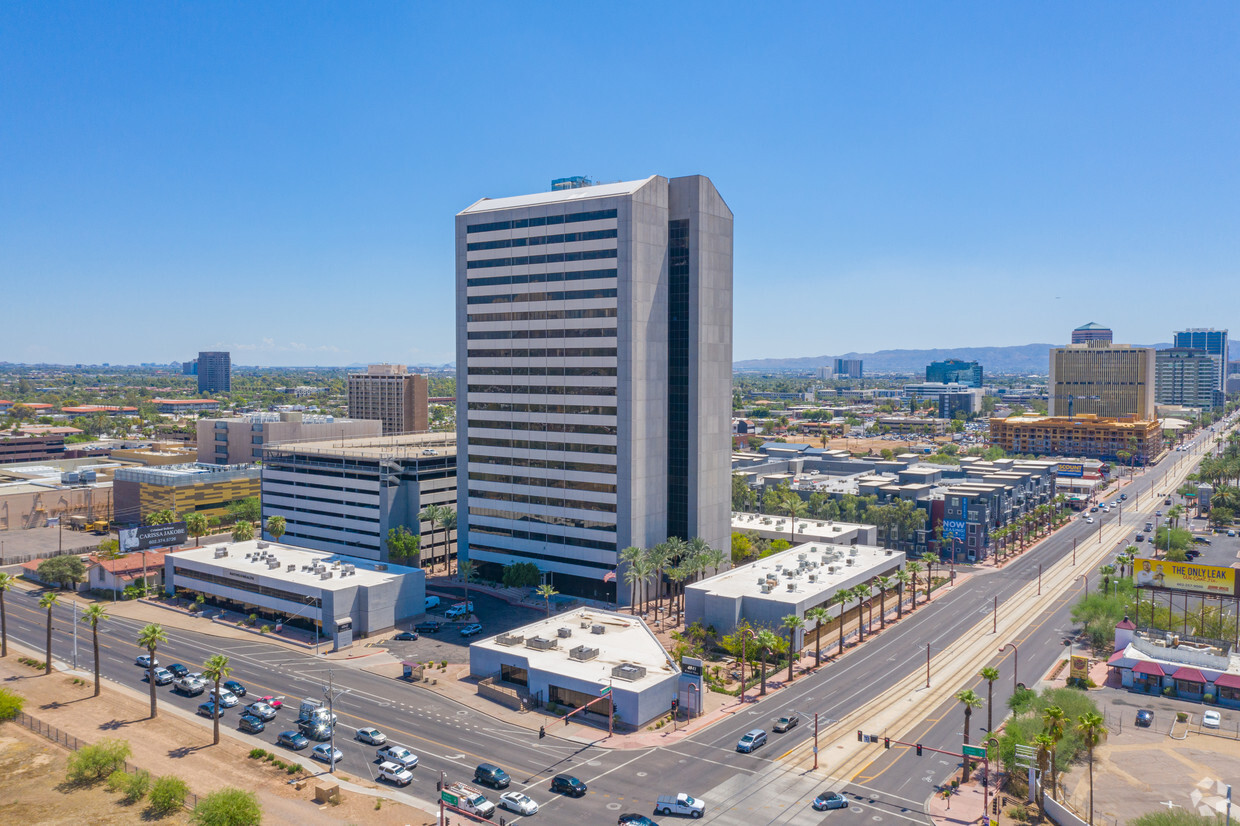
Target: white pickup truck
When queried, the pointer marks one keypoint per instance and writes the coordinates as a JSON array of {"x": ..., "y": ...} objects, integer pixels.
[
  {"x": 679, "y": 804},
  {"x": 469, "y": 799}
]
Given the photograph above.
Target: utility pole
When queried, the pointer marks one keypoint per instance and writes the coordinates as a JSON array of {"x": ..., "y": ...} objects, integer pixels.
[
  {"x": 995, "y": 617},
  {"x": 927, "y": 665},
  {"x": 816, "y": 760},
  {"x": 330, "y": 692},
  {"x": 75, "y": 625}
]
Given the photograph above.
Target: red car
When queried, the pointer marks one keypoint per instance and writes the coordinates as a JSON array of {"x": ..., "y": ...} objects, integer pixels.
[{"x": 274, "y": 702}]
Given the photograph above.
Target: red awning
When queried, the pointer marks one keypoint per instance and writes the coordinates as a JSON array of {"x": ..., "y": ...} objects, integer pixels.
[
  {"x": 1189, "y": 675},
  {"x": 1150, "y": 668},
  {"x": 1227, "y": 681},
  {"x": 1115, "y": 658}
]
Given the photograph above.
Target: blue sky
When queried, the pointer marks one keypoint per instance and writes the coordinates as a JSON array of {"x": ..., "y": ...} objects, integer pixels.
[{"x": 280, "y": 180}]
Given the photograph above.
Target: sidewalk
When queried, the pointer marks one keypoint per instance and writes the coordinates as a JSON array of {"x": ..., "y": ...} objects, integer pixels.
[{"x": 965, "y": 805}]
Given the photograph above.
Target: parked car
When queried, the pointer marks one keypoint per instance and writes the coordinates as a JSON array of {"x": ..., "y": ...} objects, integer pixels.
[
  {"x": 235, "y": 687},
  {"x": 406, "y": 636},
  {"x": 751, "y": 740},
  {"x": 210, "y": 709},
  {"x": 491, "y": 775},
  {"x": 786, "y": 722},
  {"x": 460, "y": 609},
  {"x": 162, "y": 676},
  {"x": 633, "y": 819},
  {"x": 680, "y": 804},
  {"x": 178, "y": 670},
  {"x": 261, "y": 710},
  {"x": 372, "y": 736},
  {"x": 567, "y": 784},
  {"x": 1211, "y": 719},
  {"x": 471, "y": 630},
  {"x": 518, "y": 802},
  {"x": 393, "y": 773},
  {"x": 324, "y": 752},
  {"x": 1145, "y": 718},
  {"x": 1202, "y": 540},
  {"x": 144, "y": 660},
  {"x": 429, "y": 627},
  {"x": 830, "y": 800},
  {"x": 432, "y": 602},
  {"x": 399, "y": 755},
  {"x": 250, "y": 723},
  {"x": 292, "y": 740}
]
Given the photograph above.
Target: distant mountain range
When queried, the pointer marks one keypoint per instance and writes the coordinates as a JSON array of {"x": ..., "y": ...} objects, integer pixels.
[{"x": 1021, "y": 358}]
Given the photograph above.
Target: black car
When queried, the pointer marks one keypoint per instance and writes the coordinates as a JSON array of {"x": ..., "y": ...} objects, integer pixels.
[
  {"x": 567, "y": 784},
  {"x": 292, "y": 740},
  {"x": 178, "y": 670},
  {"x": 1145, "y": 718},
  {"x": 491, "y": 775},
  {"x": 406, "y": 636},
  {"x": 314, "y": 731},
  {"x": 632, "y": 819},
  {"x": 235, "y": 687},
  {"x": 250, "y": 723},
  {"x": 430, "y": 627}
]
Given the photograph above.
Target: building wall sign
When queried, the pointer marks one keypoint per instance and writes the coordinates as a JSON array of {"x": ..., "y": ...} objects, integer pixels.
[
  {"x": 691, "y": 666},
  {"x": 239, "y": 575}
]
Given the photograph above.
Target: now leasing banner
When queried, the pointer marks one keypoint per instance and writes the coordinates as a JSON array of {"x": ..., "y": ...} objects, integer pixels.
[{"x": 1185, "y": 576}]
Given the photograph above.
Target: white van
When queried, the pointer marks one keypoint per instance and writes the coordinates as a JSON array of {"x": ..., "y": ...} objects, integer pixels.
[{"x": 432, "y": 602}]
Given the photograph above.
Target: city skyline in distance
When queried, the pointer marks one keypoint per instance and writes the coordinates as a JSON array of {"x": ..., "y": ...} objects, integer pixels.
[{"x": 1005, "y": 165}]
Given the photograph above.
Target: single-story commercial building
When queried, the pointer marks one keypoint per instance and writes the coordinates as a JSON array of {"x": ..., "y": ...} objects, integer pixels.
[
  {"x": 790, "y": 582},
  {"x": 141, "y": 567},
  {"x": 573, "y": 658},
  {"x": 1193, "y": 668},
  {"x": 769, "y": 526},
  {"x": 344, "y": 597}
]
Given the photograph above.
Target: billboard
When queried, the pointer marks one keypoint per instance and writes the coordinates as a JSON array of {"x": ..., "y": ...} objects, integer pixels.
[
  {"x": 1073, "y": 470},
  {"x": 153, "y": 536},
  {"x": 957, "y": 527},
  {"x": 1185, "y": 576}
]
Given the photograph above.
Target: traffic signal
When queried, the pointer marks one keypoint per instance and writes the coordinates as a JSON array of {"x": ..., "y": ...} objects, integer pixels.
[
  {"x": 860, "y": 736},
  {"x": 542, "y": 732},
  {"x": 919, "y": 749},
  {"x": 886, "y": 742},
  {"x": 675, "y": 703},
  {"x": 439, "y": 785}
]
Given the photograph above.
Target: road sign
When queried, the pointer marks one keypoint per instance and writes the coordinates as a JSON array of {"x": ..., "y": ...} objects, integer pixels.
[
  {"x": 604, "y": 691},
  {"x": 974, "y": 751},
  {"x": 449, "y": 798}
]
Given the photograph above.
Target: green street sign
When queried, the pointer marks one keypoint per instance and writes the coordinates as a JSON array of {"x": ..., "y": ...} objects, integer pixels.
[
  {"x": 603, "y": 692},
  {"x": 974, "y": 751},
  {"x": 449, "y": 798}
]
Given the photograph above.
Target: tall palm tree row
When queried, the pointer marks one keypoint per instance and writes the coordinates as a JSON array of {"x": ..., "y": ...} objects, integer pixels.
[
  {"x": 842, "y": 599},
  {"x": 432, "y": 514},
  {"x": 1092, "y": 729},
  {"x": 216, "y": 669},
  {"x": 151, "y": 637},
  {"x": 970, "y": 701},
  {"x": 884, "y": 585},
  {"x": 819, "y": 616},
  {"x": 47, "y": 601},
  {"x": 766, "y": 642},
  {"x": 914, "y": 568},
  {"x": 92, "y": 615},
  {"x": 793, "y": 623},
  {"x": 1053, "y": 726}
]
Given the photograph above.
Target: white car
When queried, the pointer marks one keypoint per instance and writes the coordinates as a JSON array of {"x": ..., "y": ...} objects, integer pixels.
[
  {"x": 1211, "y": 719},
  {"x": 322, "y": 750},
  {"x": 144, "y": 660},
  {"x": 372, "y": 736},
  {"x": 393, "y": 773},
  {"x": 518, "y": 802},
  {"x": 227, "y": 698},
  {"x": 399, "y": 755},
  {"x": 1089, "y": 520}
]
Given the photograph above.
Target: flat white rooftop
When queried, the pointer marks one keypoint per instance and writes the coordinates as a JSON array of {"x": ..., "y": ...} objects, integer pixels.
[
  {"x": 556, "y": 197},
  {"x": 625, "y": 641},
  {"x": 811, "y": 568},
  {"x": 820, "y": 530},
  {"x": 249, "y": 558}
]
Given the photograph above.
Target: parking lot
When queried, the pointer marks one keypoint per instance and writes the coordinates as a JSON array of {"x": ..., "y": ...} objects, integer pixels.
[{"x": 447, "y": 645}]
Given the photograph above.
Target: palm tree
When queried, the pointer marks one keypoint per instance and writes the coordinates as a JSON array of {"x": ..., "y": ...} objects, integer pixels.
[
  {"x": 902, "y": 581},
  {"x": 970, "y": 701},
  {"x": 150, "y": 638},
  {"x": 766, "y": 642},
  {"x": 645, "y": 568},
  {"x": 465, "y": 570},
  {"x": 913, "y": 568},
  {"x": 1045, "y": 744},
  {"x": 795, "y": 508},
  {"x": 658, "y": 556},
  {"x": 196, "y": 526},
  {"x": 216, "y": 669},
  {"x": 91, "y": 615},
  {"x": 861, "y": 592},
  {"x": 716, "y": 557},
  {"x": 841, "y": 599},
  {"x": 1107, "y": 572},
  {"x": 629, "y": 557},
  {"x": 432, "y": 514},
  {"x": 930, "y": 559},
  {"x": 276, "y": 527},
  {"x": 819, "y": 617},
  {"x": 243, "y": 531},
  {"x": 447, "y": 521},
  {"x": 47, "y": 601},
  {"x": 1053, "y": 722},
  {"x": 6, "y": 582},
  {"x": 793, "y": 623},
  {"x": 676, "y": 576},
  {"x": 1092, "y": 728},
  {"x": 990, "y": 674},
  {"x": 547, "y": 592},
  {"x": 884, "y": 585}
]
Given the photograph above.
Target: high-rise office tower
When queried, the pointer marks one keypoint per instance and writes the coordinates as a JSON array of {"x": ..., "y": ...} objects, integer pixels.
[
  {"x": 1102, "y": 378},
  {"x": 1187, "y": 376},
  {"x": 214, "y": 372},
  {"x": 968, "y": 373},
  {"x": 391, "y": 394},
  {"x": 1214, "y": 342},
  {"x": 849, "y": 369},
  {"x": 1091, "y": 332},
  {"x": 594, "y": 364}
]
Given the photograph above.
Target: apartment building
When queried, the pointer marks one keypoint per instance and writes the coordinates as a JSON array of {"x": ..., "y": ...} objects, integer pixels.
[
  {"x": 1188, "y": 377},
  {"x": 392, "y": 395},
  {"x": 214, "y": 372},
  {"x": 1089, "y": 436},
  {"x": 1102, "y": 378}
]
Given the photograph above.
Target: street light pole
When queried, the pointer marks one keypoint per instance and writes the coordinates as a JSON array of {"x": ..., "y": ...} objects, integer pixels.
[
  {"x": 1015, "y": 663},
  {"x": 927, "y": 665},
  {"x": 816, "y": 762}
]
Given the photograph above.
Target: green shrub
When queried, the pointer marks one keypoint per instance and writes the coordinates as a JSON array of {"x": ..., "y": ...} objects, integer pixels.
[
  {"x": 137, "y": 785},
  {"x": 10, "y": 704},
  {"x": 167, "y": 794},
  {"x": 293, "y": 768},
  {"x": 258, "y": 754},
  {"x": 266, "y": 629},
  {"x": 228, "y": 807},
  {"x": 117, "y": 780},
  {"x": 95, "y": 762}
]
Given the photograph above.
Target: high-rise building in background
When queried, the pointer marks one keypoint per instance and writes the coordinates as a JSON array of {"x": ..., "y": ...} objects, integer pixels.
[
  {"x": 594, "y": 358},
  {"x": 214, "y": 372},
  {"x": 968, "y": 373},
  {"x": 1109, "y": 380},
  {"x": 189, "y": 368},
  {"x": 1214, "y": 342},
  {"x": 391, "y": 394},
  {"x": 848, "y": 369},
  {"x": 1187, "y": 376},
  {"x": 1091, "y": 332}
]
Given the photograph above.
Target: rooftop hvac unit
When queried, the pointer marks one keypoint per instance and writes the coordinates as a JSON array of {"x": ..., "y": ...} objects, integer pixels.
[
  {"x": 628, "y": 671},
  {"x": 761, "y": 580},
  {"x": 792, "y": 586},
  {"x": 510, "y": 639},
  {"x": 598, "y": 629},
  {"x": 766, "y": 589},
  {"x": 262, "y": 544},
  {"x": 221, "y": 552},
  {"x": 583, "y": 654},
  {"x": 564, "y": 632},
  {"x": 273, "y": 563},
  {"x": 848, "y": 561},
  {"x": 380, "y": 566},
  {"x": 801, "y": 557},
  {"x": 336, "y": 564},
  {"x": 348, "y": 569},
  {"x": 542, "y": 643},
  {"x": 325, "y": 575},
  {"x": 813, "y": 577},
  {"x": 585, "y": 623},
  {"x": 890, "y": 552},
  {"x": 830, "y": 569},
  {"x": 292, "y": 566}
]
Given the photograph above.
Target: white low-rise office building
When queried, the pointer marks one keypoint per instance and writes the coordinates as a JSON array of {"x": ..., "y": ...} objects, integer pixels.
[
  {"x": 343, "y": 597},
  {"x": 573, "y": 658},
  {"x": 806, "y": 576},
  {"x": 769, "y": 526}
]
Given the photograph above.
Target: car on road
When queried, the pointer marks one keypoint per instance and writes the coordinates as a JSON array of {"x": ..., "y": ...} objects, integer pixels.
[
  {"x": 189, "y": 686},
  {"x": 393, "y": 773},
  {"x": 786, "y": 722},
  {"x": 399, "y": 755},
  {"x": 633, "y": 819},
  {"x": 1192, "y": 554},
  {"x": 680, "y": 804},
  {"x": 144, "y": 660},
  {"x": 235, "y": 687},
  {"x": 751, "y": 740},
  {"x": 261, "y": 710},
  {"x": 491, "y": 775},
  {"x": 178, "y": 670},
  {"x": 1140, "y": 537},
  {"x": 569, "y": 785},
  {"x": 830, "y": 800},
  {"x": 315, "y": 730},
  {"x": 1094, "y": 509},
  {"x": 372, "y": 736},
  {"x": 518, "y": 802},
  {"x": 406, "y": 636},
  {"x": 227, "y": 698},
  {"x": 429, "y": 627},
  {"x": 210, "y": 709},
  {"x": 471, "y": 630},
  {"x": 1089, "y": 520},
  {"x": 460, "y": 609},
  {"x": 1211, "y": 719},
  {"x": 292, "y": 740},
  {"x": 250, "y": 723},
  {"x": 1158, "y": 513},
  {"x": 324, "y": 752},
  {"x": 274, "y": 702},
  {"x": 162, "y": 676},
  {"x": 1231, "y": 531}
]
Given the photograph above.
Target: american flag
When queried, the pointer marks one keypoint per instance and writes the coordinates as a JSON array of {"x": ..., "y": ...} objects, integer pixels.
[{"x": 610, "y": 576}]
